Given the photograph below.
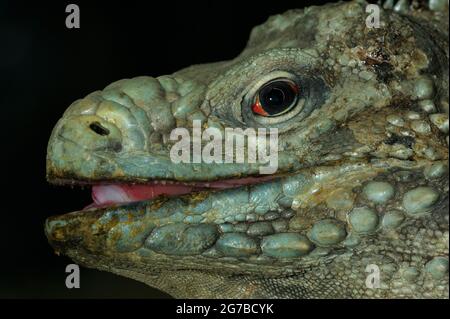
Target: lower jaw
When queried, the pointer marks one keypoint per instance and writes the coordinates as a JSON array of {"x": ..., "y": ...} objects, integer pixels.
[{"x": 127, "y": 229}]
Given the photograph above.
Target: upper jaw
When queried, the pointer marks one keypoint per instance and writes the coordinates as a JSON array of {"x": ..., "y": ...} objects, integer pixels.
[{"x": 69, "y": 162}]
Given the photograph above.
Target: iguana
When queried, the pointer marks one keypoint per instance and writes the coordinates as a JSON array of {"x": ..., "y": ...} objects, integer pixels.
[{"x": 358, "y": 206}]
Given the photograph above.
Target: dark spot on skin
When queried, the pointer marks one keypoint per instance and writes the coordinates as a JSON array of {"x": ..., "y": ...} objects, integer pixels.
[
  {"x": 383, "y": 71},
  {"x": 408, "y": 141},
  {"x": 115, "y": 146},
  {"x": 401, "y": 102},
  {"x": 379, "y": 61}
]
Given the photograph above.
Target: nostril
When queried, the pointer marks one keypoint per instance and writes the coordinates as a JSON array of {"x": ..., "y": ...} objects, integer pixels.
[{"x": 99, "y": 129}]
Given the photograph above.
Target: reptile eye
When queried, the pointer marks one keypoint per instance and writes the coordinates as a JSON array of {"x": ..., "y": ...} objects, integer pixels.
[{"x": 275, "y": 98}]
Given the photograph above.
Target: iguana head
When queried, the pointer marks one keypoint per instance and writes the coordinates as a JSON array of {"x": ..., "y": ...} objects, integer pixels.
[{"x": 361, "y": 123}]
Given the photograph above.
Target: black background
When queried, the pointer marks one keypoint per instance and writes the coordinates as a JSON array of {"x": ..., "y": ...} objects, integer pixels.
[{"x": 44, "y": 67}]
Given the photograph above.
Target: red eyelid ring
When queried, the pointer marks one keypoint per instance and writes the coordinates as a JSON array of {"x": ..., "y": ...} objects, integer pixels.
[
  {"x": 257, "y": 107},
  {"x": 294, "y": 87}
]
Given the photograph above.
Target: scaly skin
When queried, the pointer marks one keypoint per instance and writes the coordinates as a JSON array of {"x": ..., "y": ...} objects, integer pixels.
[{"x": 362, "y": 177}]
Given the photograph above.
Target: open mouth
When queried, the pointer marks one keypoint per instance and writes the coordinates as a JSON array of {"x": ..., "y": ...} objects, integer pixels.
[{"x": 105, "y": 195}]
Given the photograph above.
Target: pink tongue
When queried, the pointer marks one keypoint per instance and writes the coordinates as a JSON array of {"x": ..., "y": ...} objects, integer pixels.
[
  {"x": 117, "y": 194},
  {"x": 104, "y": 195}
]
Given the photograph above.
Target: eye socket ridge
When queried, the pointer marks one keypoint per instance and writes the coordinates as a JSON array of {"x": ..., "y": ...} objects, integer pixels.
[{"x": 275, "y": 98}]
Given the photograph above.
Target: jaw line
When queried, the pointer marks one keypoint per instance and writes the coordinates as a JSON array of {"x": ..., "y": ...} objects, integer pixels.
[{"x": 110, "y": 194}]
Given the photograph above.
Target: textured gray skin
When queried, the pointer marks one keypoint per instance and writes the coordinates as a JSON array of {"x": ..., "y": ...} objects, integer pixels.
[{"x": 363, "y": 173}]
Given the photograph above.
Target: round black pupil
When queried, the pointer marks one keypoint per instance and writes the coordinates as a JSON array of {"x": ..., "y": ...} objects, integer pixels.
[{"x": 277, "y": 97}]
